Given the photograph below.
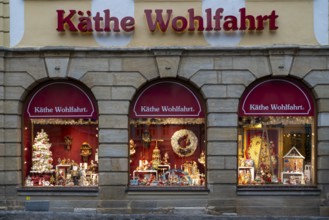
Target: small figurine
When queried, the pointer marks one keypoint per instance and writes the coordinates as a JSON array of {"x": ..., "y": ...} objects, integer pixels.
[
  {"x": 52, "y": 180},
  {"x": 61, "y": 179},
  {"x": 75, "y": 175},
  {"x": 202, "y": 159},
  {"x": 94, "y": 178},
  {"x": 145, "y": 165},
  {"x": 165, "y": 158},
  {"x": 93, "y": 167}
]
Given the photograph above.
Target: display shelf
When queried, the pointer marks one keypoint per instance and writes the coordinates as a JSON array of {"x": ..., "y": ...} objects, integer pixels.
[
  {"x": 163, "y": 168},
  {"x": 297, "y": 176},
  {"x": 145, "y": 171}
]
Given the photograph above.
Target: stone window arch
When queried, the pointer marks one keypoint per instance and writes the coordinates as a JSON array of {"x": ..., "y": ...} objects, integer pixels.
[
  {"x": 60, "y": 136},
  {"x": 167, "y": 136},
  {"x": 276, "y": 134}
]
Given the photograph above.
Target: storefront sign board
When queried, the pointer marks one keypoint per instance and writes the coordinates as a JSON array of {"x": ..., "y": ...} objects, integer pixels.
[
  {"x": 277, "y": 97},
  {"x": 167, "y": 99},
  {"x": 61, "y": 100}
]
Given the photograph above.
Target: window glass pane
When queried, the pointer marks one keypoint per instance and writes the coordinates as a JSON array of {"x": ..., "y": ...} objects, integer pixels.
[
  {"x": 61, "y": 154},
  {"x": 167, "y": 152},
  {"x": 276, "y": 150}
]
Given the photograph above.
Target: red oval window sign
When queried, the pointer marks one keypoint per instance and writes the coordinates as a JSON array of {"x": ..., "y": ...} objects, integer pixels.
[
  {"x": 277, "y": 97},
  {"x": 167, "y": 99},
  {"x": 61, "y": 100}
]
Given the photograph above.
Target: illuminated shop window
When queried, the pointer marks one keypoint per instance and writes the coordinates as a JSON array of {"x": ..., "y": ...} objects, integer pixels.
[
  {"x": 60, "y": 137},
  {"x": 276, "y": 134},
  {"x": 167, "y": 137}
]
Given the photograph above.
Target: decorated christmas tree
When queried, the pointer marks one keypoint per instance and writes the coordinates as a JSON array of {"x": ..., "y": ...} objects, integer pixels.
[{"x": 41, "y": 155}]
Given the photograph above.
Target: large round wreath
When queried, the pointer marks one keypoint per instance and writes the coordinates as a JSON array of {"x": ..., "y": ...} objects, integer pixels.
[{"x": 184, "y": 142}]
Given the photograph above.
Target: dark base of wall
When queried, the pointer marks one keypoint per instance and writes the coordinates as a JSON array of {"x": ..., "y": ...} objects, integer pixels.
[{"x": 17, "y": 215}]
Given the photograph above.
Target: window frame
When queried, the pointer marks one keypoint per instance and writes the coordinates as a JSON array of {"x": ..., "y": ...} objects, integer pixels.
[
  {"x": 133, "y": 188},
  {"x": 267, "y": 189},
  {"x": 78, "y": 120}
]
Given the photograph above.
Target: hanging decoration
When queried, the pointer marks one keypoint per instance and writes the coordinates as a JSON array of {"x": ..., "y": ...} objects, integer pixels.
[
  {"x": 68, "y": 142},
  {"x": 167, "y": 121},
  {"x": 146, "y": 137},
  {"x": 184, "y": 142},
  {"x": 85, "y": 151},
  {"x": 60, "y": 121},
  {"x": 276, "y": 120}
]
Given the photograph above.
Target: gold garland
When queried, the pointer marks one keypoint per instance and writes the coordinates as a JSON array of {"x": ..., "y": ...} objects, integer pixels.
[
  {"x": 52, "y": 121},
  {"x": 167, "y": 121},
  {"x": 191, "y": 142}
]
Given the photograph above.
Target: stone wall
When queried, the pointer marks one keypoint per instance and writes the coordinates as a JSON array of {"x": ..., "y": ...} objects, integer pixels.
[
  {"x": 114, "y": 76},
  {"x": 4, "y": 22},
  {"x": 2, "y": 140}
]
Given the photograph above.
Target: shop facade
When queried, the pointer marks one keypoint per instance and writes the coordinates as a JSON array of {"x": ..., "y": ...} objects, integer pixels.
[{"x": 159, "y": 122}]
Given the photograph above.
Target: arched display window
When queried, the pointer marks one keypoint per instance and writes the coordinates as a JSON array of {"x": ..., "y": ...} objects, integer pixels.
[
  {"x": 276, "y": 134},
  {"x": 60, "y": 136},
  {"x": 167, "y": 137}
]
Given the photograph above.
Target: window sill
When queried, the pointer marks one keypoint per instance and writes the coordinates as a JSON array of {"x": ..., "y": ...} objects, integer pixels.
[
  {"x": 135, "y": 190},
  {"x": 57, "y": 191},
  {"x": 278, "y": 190}
]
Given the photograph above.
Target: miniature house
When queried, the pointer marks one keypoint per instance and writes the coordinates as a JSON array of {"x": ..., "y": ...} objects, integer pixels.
[{"x": 293, "y": 161}]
